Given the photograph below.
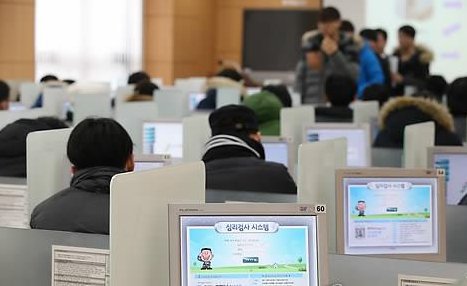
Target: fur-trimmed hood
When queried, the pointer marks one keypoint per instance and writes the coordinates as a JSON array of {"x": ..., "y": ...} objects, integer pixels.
[
  {"x": 426, "y": 56},
  {"x": 218, "y": 82},
  {"x": 439, "y": 113}
]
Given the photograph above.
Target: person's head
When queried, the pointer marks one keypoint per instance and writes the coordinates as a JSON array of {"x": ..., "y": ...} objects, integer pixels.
[
  {"x": 347, "y": 28},
  {"x": 378, "y": 92},
  {"x": 407, "y": 37},
  {"x": 329, "y": 22},
  {"x": 267, "y": 108},
  {"x": 48, "y": 78},
  {"x": 230, "y": 74},
  {"x": 145, "y": 88},
  {"x": 282, "y": 92},
  {"x": 100, "y": 142},
  {"x": 52, "y": 122},
  {"x": 313, "y": 55},
  {"x": 457, "y": 97},
  {"x": 340, "y": 90},
  {"x": 235, "y": 120},
  {"x": 370, "y": 36},
  {"x": 138, "y": 77},
  {"x": 4, "y": 95},
  {"x": 437, "y": 85},
  {"x": 381, "y": 41}
]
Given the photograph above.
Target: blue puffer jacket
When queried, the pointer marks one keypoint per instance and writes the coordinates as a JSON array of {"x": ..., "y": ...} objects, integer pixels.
[{"x": 370, "y": 69}]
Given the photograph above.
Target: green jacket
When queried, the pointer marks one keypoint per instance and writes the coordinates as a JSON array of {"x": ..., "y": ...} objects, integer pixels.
[{"x": 268, "y": 109}]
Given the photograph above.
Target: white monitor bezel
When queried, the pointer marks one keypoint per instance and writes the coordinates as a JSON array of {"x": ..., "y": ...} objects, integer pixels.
[
  {"x": 349, "y": 126},
  {"x": 393, "y": 173},
  {"x": 178, "y": 121},
  {"x": 291, "y": 160},
  {"x": 217, "y": 209}
]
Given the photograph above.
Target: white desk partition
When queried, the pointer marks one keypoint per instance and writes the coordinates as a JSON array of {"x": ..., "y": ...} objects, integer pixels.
[
  {"x": 365, "y": 111},
  {"x": 417, "y": 138},
  {"x": 172, "y": 103},
  {"x": 196, "y": 132},
  {"x": 7, "y": 117},
  {"x": 131, "y": 116},
  {"x": 87, "y": 105},
  {"x": 29, "y": 91},
  {"x": 226, "y": 96},
  {"x": 293, "y": 122},
  {"x": 47, "y": 166},
  {"x": 139, "y": 220},
  {"x": 317, "y": 163},
  {"x": 123, "y": 92},
  {"x": 54, "y": 99},
  {"x": 192, "y": 84}
]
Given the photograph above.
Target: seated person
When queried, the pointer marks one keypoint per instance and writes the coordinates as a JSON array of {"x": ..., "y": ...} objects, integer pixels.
[
  {"x": 399, "y": 112},
  {"x": 457, "y": 104},
  {"x": 4, "y": 95},
  {"x": 268, "y": 111},
  {"x": 225, "y": 78},
  {"x": 281, "y": 92},
  {"x": 13, "y": 143},
  {"x": 234, "y": 155},
  {"x": 144, "y": 91},
  {"x": 98, "y": 149},
  {"x": 377, "y": 92},
  {"x": 340, "y": 92},
  {"x": 437, "y": 86},
  {"x": 138, "y": 77},
  {"x": 45, "y": 80}
]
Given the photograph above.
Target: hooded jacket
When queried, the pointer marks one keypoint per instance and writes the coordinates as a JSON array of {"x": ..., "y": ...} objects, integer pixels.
[
  {"x": 237, "y": 164},
  {"x": 83, "y": 207},
  {"x": 268, "y": 110},
  {"x": 397, "y": 113}
]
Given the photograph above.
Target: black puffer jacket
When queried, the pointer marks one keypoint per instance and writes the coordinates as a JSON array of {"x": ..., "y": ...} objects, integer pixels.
[
  {"x": 402, "y": 111},
  {"x": 233, "y": 165},
  {"x": 83, "y": 207},
  {"x": 334, "y": 114},
  {"x": 13, "y": 143}
]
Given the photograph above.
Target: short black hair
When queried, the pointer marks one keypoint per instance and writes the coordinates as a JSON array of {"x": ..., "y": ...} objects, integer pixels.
[
  {"x": 340, "y": 90},
  {"x": 378, "y": 92},
  {"x": 146, "y": 88},
  {"x": 4, "y": 91},
  {"x": 138, "y": 77},
  {"x": 437, "y": 85},
  {"x": 369, "y": 35},
  {"x": 347, "y": 26},
  {"x": 457, "y": 97},
  {"x": 69, "y": 81},
  {"x": 408, "y": 31},
  {"x": 282, "y": 92},
  {"x": 329, "y": 14},
  {"x": 382, "y": 32},
  {"x": 49, "y": 77},
  {"x": 99, "y": 142},
  {"x": 230, "y": 73},
  {"x": 52, "y": 122}
]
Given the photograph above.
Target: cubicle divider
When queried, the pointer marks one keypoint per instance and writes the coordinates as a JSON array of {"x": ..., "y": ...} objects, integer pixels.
[
  {"x": 386, "y": 157},
  {"x": 172, "y": 103},
  {"x": 54, "y": 99},
  {"x": 417, "y": 138},
  {"x": 47, "y": 166},
  {"x": 89, "y": 105},
  {"x": 7, "y": 117},
  {"x": 365, "y": 111},
  {"x": 29, "y": 91},
  {"x": 139, "y": 220},
  {"x": 227, "y": 95},
  {"x": 317, "y": 163},
  {"x": 196, "y": 132}
]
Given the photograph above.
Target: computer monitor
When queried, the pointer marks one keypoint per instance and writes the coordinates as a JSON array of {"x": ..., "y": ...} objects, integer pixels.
[
  {"x": 391, "y": 212},
  {"x": 357, "y": 135},
  {"x": 453, "y": 161},
  {"x": 247, "y": 244},
  {"x": 163, "y": 137},
  {"x": 151, "y": 161},
  {"x": 278, "y": 149}
]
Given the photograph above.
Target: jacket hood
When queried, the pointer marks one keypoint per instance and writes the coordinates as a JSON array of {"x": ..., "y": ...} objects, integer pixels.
[
  {"x": 266, "y": 106},
  {"x": 232, "y": 146},
  {"x": 421, "y": 108},
  {"x": 426, "y": 56},
  {"x": 95, "y": 179}
]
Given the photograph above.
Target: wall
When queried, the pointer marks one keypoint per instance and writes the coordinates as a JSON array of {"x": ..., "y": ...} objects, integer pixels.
[{"x": 17, "y": 39}]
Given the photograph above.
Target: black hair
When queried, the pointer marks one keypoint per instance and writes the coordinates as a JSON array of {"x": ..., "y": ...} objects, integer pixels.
[
  {"x": 378, "y": 92},
  {"x": 52, "y": 122},
  {"x": 437, "y": 85},
  {"x": 282, "y": 92},
  {"x": 382, "y": 32},
  {"x": 347, "y": 26},
  {"x": 340, "y": 90},
  {"x": 4, "y": 91},
  {"x": 457, "y": 97},
  {"x": 138, "y": 77},
  {"x": 69, "y": 81},
  {"x": 206, "y": 248},
  {"x": 369, "y": 35},
  {"x": 146, "y": 88},
  {"x": 49, "y": 77},
  {"x": 329, "y": 14},
  {"x": 99, "y": 142},
  {"x": 408, "y": 31},
  {"x": 230, "y": 73}
]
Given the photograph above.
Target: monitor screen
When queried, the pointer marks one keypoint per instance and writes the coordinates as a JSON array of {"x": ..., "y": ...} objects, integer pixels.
[
  {"x": 390, "y": 216},
  {"x": 145, "y": 166},
  {"x": 277, "y": 152},
  {"x": 163, "y": 138},
  {"x": 358, "y": 143},
  {"x": 249, "y": 250},
  {"x": 454, "y": 169}
]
